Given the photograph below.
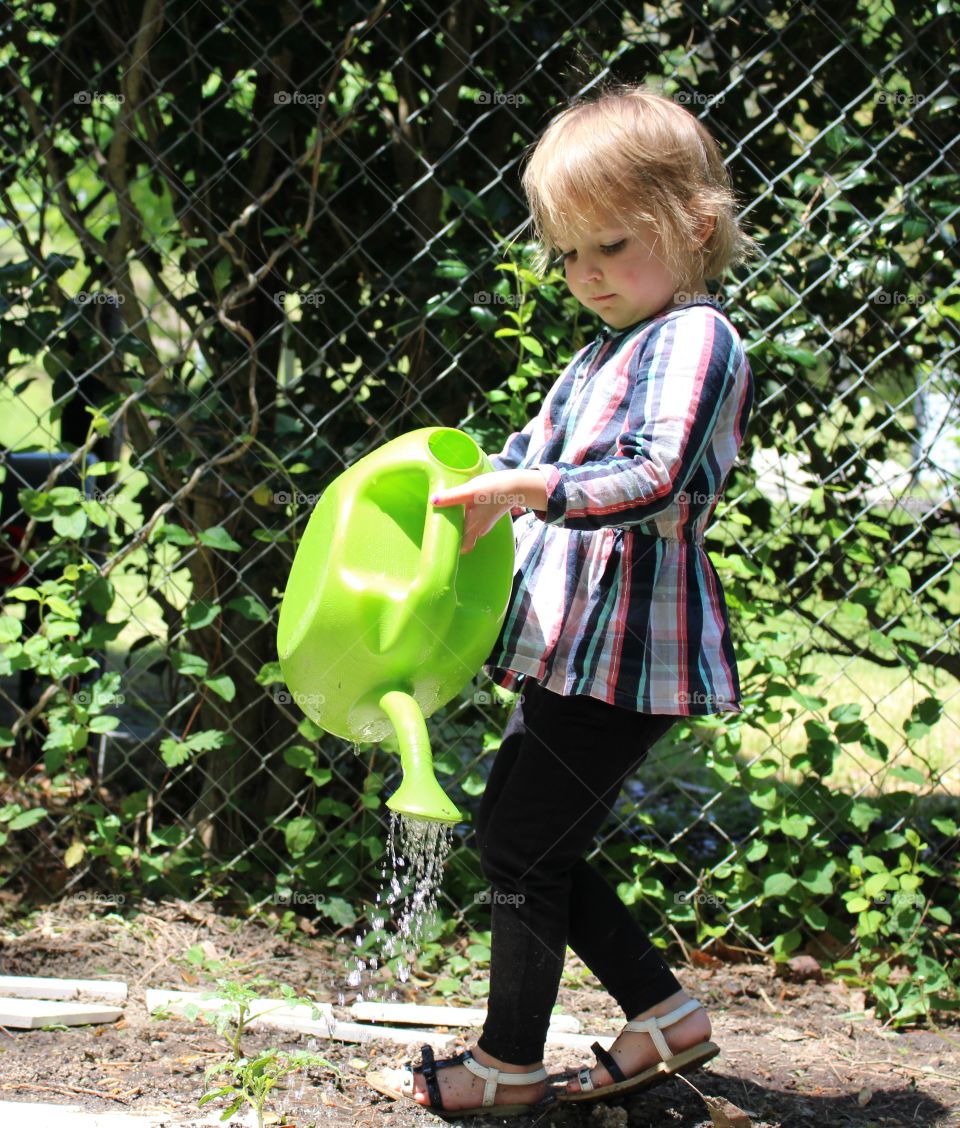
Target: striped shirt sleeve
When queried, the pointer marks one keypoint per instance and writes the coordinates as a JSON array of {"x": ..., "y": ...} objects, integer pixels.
[
  {"x": 515, "y": 448},
  {"x": 677, "y": 381}
]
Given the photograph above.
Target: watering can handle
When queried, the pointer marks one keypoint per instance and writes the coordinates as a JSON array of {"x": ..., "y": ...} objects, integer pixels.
[{"x": 430, "y": 599}]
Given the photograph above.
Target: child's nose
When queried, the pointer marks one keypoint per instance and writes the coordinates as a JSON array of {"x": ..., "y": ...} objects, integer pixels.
[{"x": 590, "y": 270}]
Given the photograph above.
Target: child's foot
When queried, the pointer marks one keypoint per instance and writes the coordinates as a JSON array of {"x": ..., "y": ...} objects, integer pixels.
[
  {"x": 634, "y": 1051},
  {"x": 460, "y": 1088}
]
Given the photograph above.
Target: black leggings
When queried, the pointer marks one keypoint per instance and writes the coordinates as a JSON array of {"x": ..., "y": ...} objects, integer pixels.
[{"x": 561, "y": 764}]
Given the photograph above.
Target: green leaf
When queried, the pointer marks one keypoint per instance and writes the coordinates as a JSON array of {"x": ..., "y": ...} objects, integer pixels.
[
  {"x": 816, "y": 917},
  {"x": 795, "y": 826},
  {"x": 338, "y": 910},
  {"x": 870, "y": 528},
  {"x": 171, "y": 533},
  {"x": 778, "y": 884},
  {"x": 190, "y": 665},
  {"x": 299, "y": 756},
  {"x": 848, "y": 712},
  {"x": 250, "y": 608},
  {"x": 899, "y": 577},
  {"x": 218, "y": 537},
  {"x": 299, "y": 833},
  {"x": 911, "y": 775},
  {"x": 858, "y": 904},
  {"x": 875, "y": 884},
  {"x": 223, "y": 686},
  {"x": 61, "y": 607},
  {"x": 27, "y": 818},
  {"x": 100, "y": 468},
  {"x": 175, "y": 752},
  {"x": 10, "y": 628},
  {"x": 451, "y": 268},
  {"x": 70, "y": 525},
  {"x": 819, "y": 881},
  {"x": 200, "y": 614}
]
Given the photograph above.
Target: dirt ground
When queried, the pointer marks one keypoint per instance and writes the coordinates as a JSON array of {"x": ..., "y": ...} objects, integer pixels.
[{"x": 794, "y": 1054}]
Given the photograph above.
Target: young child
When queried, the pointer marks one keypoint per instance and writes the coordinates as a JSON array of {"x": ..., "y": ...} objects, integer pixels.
[{"x": 617, "y": 623}]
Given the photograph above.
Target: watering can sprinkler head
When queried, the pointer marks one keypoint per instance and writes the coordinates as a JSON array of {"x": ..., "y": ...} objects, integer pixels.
[{"x": 419, "y": 795}]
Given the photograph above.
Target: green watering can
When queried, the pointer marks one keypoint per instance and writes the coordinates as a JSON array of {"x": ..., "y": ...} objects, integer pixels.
[{"x": 383, "y": 621}]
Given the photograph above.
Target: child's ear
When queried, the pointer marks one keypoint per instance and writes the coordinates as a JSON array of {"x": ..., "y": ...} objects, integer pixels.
[{"x": 706, "y": 228}]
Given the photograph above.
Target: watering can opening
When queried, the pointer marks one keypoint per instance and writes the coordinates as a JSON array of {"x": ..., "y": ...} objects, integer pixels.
[{"x": 455, "y": 450}]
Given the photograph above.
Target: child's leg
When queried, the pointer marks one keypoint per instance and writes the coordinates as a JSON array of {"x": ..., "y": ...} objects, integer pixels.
[
  {"x": 560, "y": 772},
  {"x": 605, "y": 935}
]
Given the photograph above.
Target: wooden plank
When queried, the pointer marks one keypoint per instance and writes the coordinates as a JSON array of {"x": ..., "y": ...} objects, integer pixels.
[
  {"x": 443, "y": 1016},
  {"x": 280, "y": 1015},
  {"x": 30, "y": 1014},
  {"x": 44, "y": 987},
  {"x": 30, "y": 1113},
  {"x": 267, "y": 1009}
]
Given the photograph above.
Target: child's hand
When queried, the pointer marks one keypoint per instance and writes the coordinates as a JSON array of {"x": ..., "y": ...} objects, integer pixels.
[
  {"x": 487, "y": 497},
  {"x": 483, "y": 507}
]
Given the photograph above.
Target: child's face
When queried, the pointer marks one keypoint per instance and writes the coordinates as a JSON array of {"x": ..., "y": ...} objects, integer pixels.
[{"x": 617, "y": 273}]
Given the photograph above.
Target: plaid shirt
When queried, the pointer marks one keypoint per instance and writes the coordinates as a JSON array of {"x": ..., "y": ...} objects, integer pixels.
[{"x": 614, "y": 595}]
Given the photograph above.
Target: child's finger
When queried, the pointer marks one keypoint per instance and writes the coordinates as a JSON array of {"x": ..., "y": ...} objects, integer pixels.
[{"x": 459, "y": 495}]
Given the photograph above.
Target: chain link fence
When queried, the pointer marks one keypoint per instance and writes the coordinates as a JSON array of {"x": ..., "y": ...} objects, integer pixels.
[{"x": 243, "y": 245}]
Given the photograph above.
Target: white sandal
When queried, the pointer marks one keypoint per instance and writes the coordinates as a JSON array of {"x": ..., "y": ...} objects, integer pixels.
[
  {"x": 398, "y": 1083},
  {"x": 681, "y": 1062}
]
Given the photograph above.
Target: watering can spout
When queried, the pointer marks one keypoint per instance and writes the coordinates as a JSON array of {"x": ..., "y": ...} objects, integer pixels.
[{"x": 419, "y": 794}]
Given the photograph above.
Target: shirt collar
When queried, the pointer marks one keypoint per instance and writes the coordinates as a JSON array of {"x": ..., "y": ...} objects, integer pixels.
[{"x": 608, "y": 334}]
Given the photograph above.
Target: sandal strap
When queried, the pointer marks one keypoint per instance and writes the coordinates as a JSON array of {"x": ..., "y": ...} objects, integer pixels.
[
  {"x": 429, "y": 1070},
  {"x": 492, "y": 1077},
  {"x": 653, "y": 1026},
  {"x": 608, "y": 1062}
]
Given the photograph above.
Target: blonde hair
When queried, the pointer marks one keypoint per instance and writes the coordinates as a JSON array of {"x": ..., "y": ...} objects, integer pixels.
[{"x": 636, "y": 156}]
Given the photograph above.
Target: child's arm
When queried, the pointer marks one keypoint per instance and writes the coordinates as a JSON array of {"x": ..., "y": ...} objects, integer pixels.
[{"x": 681, "y": 379}]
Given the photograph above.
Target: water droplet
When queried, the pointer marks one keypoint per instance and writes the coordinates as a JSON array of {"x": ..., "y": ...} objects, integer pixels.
[{"x": 410, "y": 882}]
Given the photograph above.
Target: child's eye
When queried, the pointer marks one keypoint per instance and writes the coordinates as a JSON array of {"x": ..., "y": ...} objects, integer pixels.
[{"x": 612, "y": 248}]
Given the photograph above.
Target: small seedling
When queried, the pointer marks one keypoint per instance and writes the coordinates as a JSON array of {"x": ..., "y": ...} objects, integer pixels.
[{"x": 249, "y": 1082}]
